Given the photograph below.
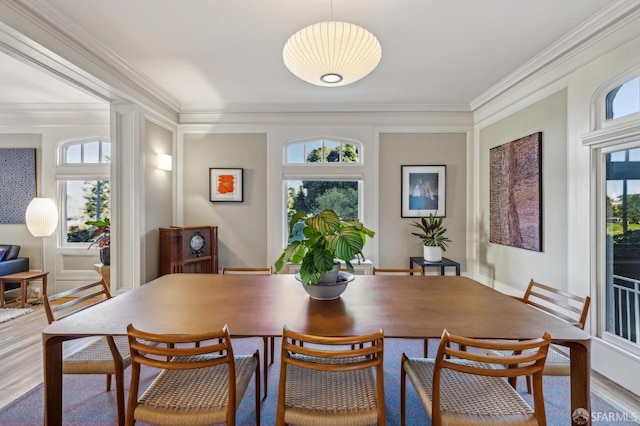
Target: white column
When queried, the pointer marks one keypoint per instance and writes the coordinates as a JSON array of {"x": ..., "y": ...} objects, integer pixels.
[{"x": 127, "y": 196}]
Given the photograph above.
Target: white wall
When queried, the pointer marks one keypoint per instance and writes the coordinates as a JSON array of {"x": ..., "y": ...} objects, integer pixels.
[
  {"x": 502, "y": 266},
  {"x": 158, "y": 196},
  {"x": 398, "y": 149},
  {"x": 242, "y": 226}
]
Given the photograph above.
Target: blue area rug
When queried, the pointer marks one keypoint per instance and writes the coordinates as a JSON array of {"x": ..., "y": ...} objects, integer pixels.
[{"x": 85, "y": 401}]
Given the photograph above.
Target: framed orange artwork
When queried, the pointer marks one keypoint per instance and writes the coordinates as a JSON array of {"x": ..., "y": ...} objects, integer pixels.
[{"x": 225, "y": 184}]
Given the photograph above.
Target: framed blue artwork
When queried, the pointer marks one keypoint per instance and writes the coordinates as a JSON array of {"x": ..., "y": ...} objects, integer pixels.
[
  {"x": 423, "y": 191},
  {"x": 17, "y": 183}
]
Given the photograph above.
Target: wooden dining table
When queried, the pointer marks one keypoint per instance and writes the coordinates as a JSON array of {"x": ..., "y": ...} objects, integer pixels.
[{"x": 405, "y": 307}]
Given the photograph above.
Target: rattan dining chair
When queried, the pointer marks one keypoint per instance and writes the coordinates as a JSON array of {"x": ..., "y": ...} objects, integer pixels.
[
  {"x": 105, "y": 355},
  {"x": 464, "y": 387},
  {"x": 332, "y": 381},
  {"x": 561, "y": 304},
  {"x": 197, "y": 385},
  {"x": 268, "y": 343}
]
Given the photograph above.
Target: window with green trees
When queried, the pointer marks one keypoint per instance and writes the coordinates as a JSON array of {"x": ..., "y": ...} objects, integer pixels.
[
  {"x": 622, "y": 202},
  {"x": 323, "y": 173},
  {"x": 85, "y": 188}
]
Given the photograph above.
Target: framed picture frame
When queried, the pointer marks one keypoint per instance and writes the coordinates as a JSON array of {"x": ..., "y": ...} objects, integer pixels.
[
  {"x": 423, "y": 191},
  {"x": 18, "y": 188},
  {"x": 515, "y": 193},
  {"x": 225, "y": 184}
]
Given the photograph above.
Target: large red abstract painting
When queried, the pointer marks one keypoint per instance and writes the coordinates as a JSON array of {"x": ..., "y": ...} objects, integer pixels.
[{"x": 515, "y": 186}]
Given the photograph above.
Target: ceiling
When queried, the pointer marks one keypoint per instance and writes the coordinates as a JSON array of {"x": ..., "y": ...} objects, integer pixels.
[{"x": 220, "y": 55}]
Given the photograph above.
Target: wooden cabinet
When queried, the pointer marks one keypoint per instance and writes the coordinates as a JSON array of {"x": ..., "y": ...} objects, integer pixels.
[{"x": 192, "y": 249}]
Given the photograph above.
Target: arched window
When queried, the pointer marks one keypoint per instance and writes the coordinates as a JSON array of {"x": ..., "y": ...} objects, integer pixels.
[
  {"x": 84, "y": 187},
  {"x": 321, "y": 173},
  {"x": 623, "y": 100},
  {"x": 322, "y": 150}
]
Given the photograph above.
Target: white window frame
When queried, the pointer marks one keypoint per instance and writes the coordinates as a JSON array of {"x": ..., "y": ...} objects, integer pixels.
[
  {"x": 353, "y": 171},
  {"x": 75, "y": 171},
  {"x": 607, "y": 136},
  {"x": 304, "y": 141},
  {"x": 599, "y": 107},
  {"x": 601, "y": 229},
  {"x": 617, "y": 87}
]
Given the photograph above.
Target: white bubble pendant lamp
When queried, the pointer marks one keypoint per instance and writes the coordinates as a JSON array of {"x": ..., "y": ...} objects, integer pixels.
[{"x": 332, "y": 54}]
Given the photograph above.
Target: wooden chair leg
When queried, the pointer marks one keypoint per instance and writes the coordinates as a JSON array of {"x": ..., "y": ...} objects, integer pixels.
[
  {"x": 108, "y": 382},
  {"x": 529, "y": 387},
  {"x": 257, "y": 384},
  {"x": 513, "y": 381},
  {"x": 120, "y": 397},
  {"x": 273, "y": 350},
  {"x": 265, "y": 361},
  {"x": 403, "y": 388},
  {"x": 426, "y": 348}
]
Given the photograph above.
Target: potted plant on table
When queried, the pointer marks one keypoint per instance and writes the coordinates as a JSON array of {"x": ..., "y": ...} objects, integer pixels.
[
  {"x": 432, "y": 236},
  {"x": 102, "y": 235},
  {"x": 318, "y": 242}
]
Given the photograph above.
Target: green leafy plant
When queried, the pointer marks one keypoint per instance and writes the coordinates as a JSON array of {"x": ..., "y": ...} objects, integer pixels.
[
  {"x": 317, "y": 241},
  {"x": 102, "y": 233},
  {"x": 433, "y": 233}
]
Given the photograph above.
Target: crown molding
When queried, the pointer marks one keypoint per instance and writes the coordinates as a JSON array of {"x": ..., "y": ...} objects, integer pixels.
[
  {"x": 118, "y": 79},
  {"x": 320, "y": 108},
  {"x": 375, "y": 118},
  {"x": 54, "y": 114},
  {"x": 607, "y": 21}
]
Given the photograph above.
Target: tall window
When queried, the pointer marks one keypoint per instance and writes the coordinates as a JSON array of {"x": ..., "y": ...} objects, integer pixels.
[
  {"x": 622, "y": 171},
  {"x": 84, "y": 187},
  {"x": 623, "y": 100},
  {"x": 323, "y": 173}
]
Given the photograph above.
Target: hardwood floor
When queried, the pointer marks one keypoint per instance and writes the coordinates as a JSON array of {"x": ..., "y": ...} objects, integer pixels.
[
  {"x": 21, "y": 353},
  {"x": 21, "y": 365}
]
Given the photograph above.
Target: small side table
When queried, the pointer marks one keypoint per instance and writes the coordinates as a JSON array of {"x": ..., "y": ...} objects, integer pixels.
[
  {"x": 23, "y": 278},
  {"x": 442, "y": 264}
]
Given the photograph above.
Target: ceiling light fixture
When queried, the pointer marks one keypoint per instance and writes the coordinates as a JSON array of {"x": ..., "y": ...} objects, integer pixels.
[{"x": 332, "y": 54}]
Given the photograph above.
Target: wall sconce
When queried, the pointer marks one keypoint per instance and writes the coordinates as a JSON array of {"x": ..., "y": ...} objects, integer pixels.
[{"x": 164, "y": 162}]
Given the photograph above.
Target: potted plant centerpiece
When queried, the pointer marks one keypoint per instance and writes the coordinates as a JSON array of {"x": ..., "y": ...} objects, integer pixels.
[
  {"x": 102, "y": 235},
  {"x": 318, "y": 242},
  {"x": 432, "y": 236}
]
